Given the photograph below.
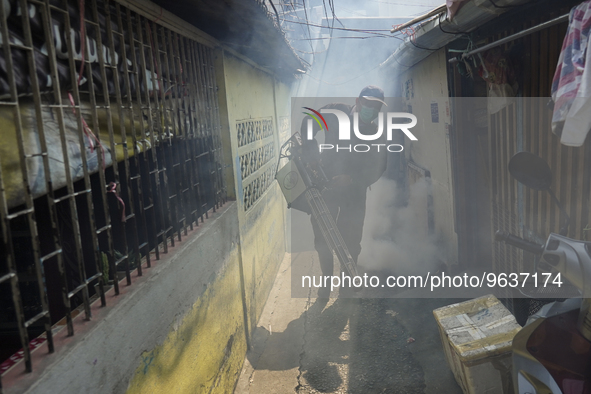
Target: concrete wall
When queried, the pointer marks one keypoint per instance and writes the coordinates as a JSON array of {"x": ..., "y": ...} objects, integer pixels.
[
  {"x": 248, "y": 95},
  {"x": 184, "y": 326},
  {"x": 204, "y": 347},
  {"x": 253, "y": 96},
  {"x": 423, "y": 85},
  {"x": 216, "y": 329},
  {"x": 173, "y": 330}
]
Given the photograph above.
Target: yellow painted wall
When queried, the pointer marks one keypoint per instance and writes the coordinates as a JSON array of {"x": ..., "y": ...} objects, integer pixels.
[
  {"x": 252, "y": 94},
  {"x": 432, "y": 150},
  {"x": 204, "y": 354},
  {"x": 206, "y": 351}
]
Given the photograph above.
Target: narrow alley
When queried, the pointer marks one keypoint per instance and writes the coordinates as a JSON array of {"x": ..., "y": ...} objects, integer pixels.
[
  {"x": 309, "y": 345},
  {"x": 295, "y": 196}
]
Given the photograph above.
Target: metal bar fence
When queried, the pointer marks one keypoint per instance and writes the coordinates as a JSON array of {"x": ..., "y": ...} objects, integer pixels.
[{"x": 112, "y": 149}]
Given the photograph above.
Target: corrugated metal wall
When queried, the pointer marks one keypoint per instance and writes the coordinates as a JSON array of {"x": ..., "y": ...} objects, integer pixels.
[{"x": 526, "y": 126}]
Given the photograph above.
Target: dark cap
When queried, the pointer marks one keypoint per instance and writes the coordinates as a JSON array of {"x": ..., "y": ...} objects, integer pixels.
[{"x": 374, "y": 93}]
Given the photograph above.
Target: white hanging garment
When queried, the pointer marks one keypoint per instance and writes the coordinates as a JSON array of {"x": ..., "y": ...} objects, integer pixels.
[{"x": 571, "y": 87}]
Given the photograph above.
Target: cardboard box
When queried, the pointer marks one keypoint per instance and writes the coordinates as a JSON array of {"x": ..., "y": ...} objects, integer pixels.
[{"x": 476, "y": 337}]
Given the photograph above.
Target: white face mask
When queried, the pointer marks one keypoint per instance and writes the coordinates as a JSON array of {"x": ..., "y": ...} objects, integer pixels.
[{"x": 367, "y": 114}]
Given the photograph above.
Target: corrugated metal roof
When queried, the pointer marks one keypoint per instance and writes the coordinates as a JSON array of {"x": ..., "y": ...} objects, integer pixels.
[{"x": 437, "y": 32}]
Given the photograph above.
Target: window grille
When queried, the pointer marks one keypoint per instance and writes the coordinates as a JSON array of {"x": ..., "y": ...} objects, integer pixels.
[
  {"x": 256, "y": 148},
  {"x": 110, "y": 151}
]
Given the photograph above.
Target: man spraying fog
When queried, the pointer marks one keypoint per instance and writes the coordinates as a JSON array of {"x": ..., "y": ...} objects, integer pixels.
[{"x": 350, "y": 173}]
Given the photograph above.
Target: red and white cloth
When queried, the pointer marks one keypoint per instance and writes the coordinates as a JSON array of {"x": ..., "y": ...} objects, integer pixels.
[{"x": 571, "y": 87}]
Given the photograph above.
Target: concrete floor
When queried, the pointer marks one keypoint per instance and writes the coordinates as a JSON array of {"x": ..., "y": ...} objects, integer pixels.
[{"x": 308, "y": 345}]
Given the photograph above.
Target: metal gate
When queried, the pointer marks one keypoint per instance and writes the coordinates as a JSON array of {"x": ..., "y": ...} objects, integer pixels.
[{"x": 111, "y": 151}]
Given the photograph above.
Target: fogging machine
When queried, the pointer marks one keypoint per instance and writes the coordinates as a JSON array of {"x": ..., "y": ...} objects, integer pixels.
[{"x": 302, "y": 182}]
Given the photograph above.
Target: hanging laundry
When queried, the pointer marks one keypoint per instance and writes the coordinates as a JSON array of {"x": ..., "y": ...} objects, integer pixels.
[
  {"x": 571, "y": 87},
  {"x": 497, "y": 70}
]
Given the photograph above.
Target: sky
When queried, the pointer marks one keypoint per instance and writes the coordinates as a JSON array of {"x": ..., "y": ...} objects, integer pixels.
[
  {"x": 342, "y": 60},
  {"x": 397, "y": 8}
]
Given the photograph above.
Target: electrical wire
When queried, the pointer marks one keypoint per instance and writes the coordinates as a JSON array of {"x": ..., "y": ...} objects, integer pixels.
[
  {"x": 324, "y": 8},
  {"x": 309, "y": 33},
  {"x": 449, "y": 32},
  {"x": 352, "y": 12},
  {"x": 301, "y": 22},
  {"x": 347, "y": 81},
  {"x": 364, "y": 30},
  {"x": 503, "y": 6},
  {"x": 334, "y": 15},
  {"x": 276, "y": 13},
  {"x": 332, "y": 27},
  {"x": 404, "y": 4},
  {"x": 353, "y": 37},
  {"x": 313, "y": 53},
  {"x": 424, "y": 48},
  {"x": 342, "y": 28},
  {"x": 372, "y": 33},
  {"x": 402, "y": 65}
]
